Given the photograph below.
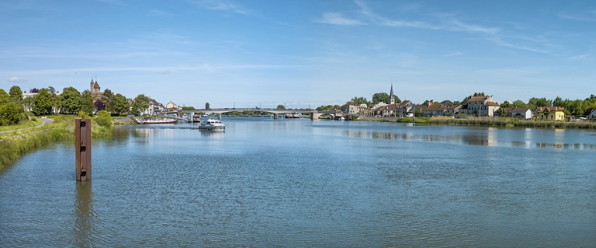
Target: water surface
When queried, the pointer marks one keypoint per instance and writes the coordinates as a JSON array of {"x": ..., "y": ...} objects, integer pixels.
[{"x": 267, "y": 182}]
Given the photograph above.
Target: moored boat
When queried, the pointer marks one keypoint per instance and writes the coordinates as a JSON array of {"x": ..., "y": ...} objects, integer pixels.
[
  {"x": 153, "y": 120},
  {"x": 212, "y": 125}
]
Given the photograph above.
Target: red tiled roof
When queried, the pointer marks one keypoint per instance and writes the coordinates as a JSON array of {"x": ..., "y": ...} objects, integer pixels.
[{"x": 491, "y": 104}]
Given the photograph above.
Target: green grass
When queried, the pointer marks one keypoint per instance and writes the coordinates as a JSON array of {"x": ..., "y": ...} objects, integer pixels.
[
  {"x": 23, "y": 124},
  {"x": 15, "y": 144}
]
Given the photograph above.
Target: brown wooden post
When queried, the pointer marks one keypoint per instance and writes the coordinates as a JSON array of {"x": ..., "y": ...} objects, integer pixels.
[{"x": 83, "y": 148}]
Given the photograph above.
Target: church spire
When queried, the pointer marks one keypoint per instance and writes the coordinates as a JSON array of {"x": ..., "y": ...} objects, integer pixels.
[{"x": 391, "y": 96}]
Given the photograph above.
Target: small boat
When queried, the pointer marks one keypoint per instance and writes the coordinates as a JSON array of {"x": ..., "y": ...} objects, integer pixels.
[
  {"x": 153, "y": 120},
  {"x": 213, "y": 125},
  {"x": 293, "y": 115}
]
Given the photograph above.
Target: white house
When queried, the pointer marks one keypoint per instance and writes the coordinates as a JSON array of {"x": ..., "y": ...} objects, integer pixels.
[
  {"x": 521, "y": 113},
  {"x": 592, "y": 114},
  {"x": 482, "y": 106}
]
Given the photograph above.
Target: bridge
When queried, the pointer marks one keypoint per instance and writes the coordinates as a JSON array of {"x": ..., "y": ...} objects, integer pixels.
[{"x": 314, "y": 114}]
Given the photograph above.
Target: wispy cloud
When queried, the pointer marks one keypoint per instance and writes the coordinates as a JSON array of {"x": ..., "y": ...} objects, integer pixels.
[
  {"x": 158, "y": 69},
  {"x": 453, "y": 54},
  {"x": 589, "y": 16},
  {"x": 499, "y": 41},
  {"x": 582, "y": 56},
  {"x": 443, "y": 22},
  {"x": 337, "y": 19},
  {"x": 16, "y": 80},
  {"x": 223, "y": 5},
  {"x": 456, "y": 25}
]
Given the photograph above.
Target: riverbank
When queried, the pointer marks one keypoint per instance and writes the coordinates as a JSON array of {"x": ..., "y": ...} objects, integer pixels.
[
  {"x": 18, "y": 142},
  {"x": 485, "y": 121}
]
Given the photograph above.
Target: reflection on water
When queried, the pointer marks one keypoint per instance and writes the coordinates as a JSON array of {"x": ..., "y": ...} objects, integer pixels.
[
  {"x": 83, "y": 230},
  {"x": 488, "y": 138}
]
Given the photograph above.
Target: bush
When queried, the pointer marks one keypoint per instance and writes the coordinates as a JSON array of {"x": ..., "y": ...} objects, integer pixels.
[{"x": 104, "y": 119}]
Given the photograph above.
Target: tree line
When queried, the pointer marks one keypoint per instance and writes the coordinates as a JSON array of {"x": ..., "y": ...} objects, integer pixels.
[
  {"x": 576, "y": 107},
  {"x": 13, "y": 105}
]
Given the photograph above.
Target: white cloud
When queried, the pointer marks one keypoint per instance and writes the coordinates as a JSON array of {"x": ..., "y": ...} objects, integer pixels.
[
  {"x": 453, "y": 54},
  {"x": 223, "y": 5},
  {"x": 16, "y": 80},
  {"x": 589, "y": 17},
  {"x": 337, "y": 19}
]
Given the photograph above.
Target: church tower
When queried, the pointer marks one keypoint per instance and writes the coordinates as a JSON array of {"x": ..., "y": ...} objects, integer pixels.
[{"x": 391, "y": 96}]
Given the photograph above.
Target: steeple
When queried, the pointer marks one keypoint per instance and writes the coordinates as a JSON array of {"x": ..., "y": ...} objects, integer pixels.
[{"x": 391, "y": 96}]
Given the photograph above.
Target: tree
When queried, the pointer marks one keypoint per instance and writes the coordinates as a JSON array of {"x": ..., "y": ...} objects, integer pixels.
[
  {"x": 519, "y": 104},
  {"x": 87, "y": 105},
  {"x": 140, "y": 104},
  {"x": 104, "y": 119},
  {"x": 70, "y": 102},
  {"x": 16, "y": 94},
  {"x": 539, "y": 102},
  {"x": 120, "y": 104},
  {"x": 380, "y": 97},
  {"x": 42, "y": 103},
  {"x": 10, "y": 113},
  {"x": 505, "y": 104},
  {"x": 188, "y": 108},
  {"x": 108, "y": 99},
  {"x": 502, "y": 112},
  {"x": 281, "y": 107},
  {"x": 207, "y": 105},
  {"x": 4, "y": 97},
  {"x": 436, "y": 104},
  {"x": 358, "y": 100}
]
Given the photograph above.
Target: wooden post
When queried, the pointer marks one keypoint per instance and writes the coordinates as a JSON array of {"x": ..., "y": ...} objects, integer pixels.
[{"x": 83, "y": 148}]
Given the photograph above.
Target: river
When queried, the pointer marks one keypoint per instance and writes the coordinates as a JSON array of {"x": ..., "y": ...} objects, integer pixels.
[{"x": 298, "y": 183}]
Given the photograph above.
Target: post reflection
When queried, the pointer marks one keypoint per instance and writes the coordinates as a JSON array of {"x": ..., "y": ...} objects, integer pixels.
[{"x": 83, "y": 227}]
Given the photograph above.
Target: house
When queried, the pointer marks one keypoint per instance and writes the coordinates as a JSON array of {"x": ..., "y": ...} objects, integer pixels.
[
  {"x": 453, "y": 110},
  {"x": 591, "y": 114},
  {"x": 172, "y": 106},
  {"x": 520, "y": 113},
  {"x": 403, "y": 108},
  {"x": 482, "y": 106},
  {"x": 387, "y": 110},
  {"x": 433, "y": 111},
  {"x": 550, "y": 113},
  {"x": 351, "y": 109}
]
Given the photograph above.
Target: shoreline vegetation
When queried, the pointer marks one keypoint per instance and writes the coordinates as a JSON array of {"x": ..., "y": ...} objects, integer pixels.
[
  {"x": 507, "y": 122},
  {"x": 15, "y": 144}
]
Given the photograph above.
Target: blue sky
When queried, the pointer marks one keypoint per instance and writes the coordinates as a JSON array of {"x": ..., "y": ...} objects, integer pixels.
[{"x": 301, "y": 53}]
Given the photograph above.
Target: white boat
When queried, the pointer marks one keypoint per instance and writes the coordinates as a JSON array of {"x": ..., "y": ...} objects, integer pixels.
[
  {"x": 214, "y": 125},
  {"x": 153, "y": 120}
]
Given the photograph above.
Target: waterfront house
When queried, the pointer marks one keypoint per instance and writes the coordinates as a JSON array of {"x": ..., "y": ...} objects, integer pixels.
[
  {"x": 591, "y": 114},
  {"x": 453, "y": 110},
  {"x": 403, "y": 108},
  {"x": 482, "y": 106},
  {"x": 551, "y": 113},
  {"x": 433, "y": 111},
  {"x": 520, "y": 113},
  {"x": 172, "y": 106},
  {"x": 351, "y": 109}
]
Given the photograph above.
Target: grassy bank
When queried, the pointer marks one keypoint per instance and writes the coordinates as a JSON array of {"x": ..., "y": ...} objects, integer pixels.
[
  {"x": 15, "y": 144},
  {"x": 22, "y": 124}
]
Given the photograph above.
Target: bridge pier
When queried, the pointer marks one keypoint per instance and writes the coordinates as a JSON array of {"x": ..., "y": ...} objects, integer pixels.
[
  {"x": 275, "y": 116},
  {"x": 219, "y": 116},
  {"x": 192, "y": 117},
  {"x": 314, "y": 116}
]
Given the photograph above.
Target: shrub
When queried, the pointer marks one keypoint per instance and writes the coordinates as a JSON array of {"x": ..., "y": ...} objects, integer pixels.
[{"x": 104, "y": 119}]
